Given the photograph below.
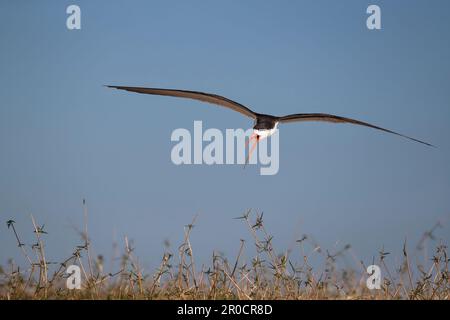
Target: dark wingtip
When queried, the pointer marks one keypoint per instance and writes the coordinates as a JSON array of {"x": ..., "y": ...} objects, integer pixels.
[{"x": 423, "y": 142}]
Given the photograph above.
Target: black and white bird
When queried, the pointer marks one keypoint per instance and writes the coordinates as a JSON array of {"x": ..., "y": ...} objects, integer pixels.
[{"x": 265, "y": 124}]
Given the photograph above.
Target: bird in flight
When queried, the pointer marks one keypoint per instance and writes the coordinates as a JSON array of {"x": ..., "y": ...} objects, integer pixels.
[{"x": 265, "y": 124}]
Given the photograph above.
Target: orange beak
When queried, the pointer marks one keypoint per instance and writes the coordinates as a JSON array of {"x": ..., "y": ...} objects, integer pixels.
[{"x": 255, "y": 137}]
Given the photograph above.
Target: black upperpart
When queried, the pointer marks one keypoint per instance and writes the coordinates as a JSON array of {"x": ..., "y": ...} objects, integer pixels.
[{"x": 265, "y": 122}]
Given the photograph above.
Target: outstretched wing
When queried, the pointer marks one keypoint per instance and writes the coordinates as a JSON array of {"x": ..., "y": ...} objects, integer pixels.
[
  {"x": 201, "y": 96},
  {"x": 336, "y": 119}
]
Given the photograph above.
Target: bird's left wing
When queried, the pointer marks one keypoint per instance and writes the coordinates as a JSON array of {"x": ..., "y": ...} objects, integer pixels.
[
  {"x": 196, "y": 95},
  {"x": 337, "y": 119}
]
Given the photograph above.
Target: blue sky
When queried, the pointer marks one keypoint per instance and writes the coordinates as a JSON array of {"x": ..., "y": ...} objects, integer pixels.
[{"x": 64, "y": 137}]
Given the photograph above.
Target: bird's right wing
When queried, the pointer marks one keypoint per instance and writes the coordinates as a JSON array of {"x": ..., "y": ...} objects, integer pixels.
[
  {"x": 337, "y": 119},
  {"x": 201, "y": 96}
]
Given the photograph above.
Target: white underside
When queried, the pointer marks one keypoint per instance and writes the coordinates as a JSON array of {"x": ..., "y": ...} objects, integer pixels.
[{"x": 265, "y": 133}]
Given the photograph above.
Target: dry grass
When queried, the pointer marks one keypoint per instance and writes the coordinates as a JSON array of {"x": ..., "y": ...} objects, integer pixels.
[{"x": 269, "y": 275}]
